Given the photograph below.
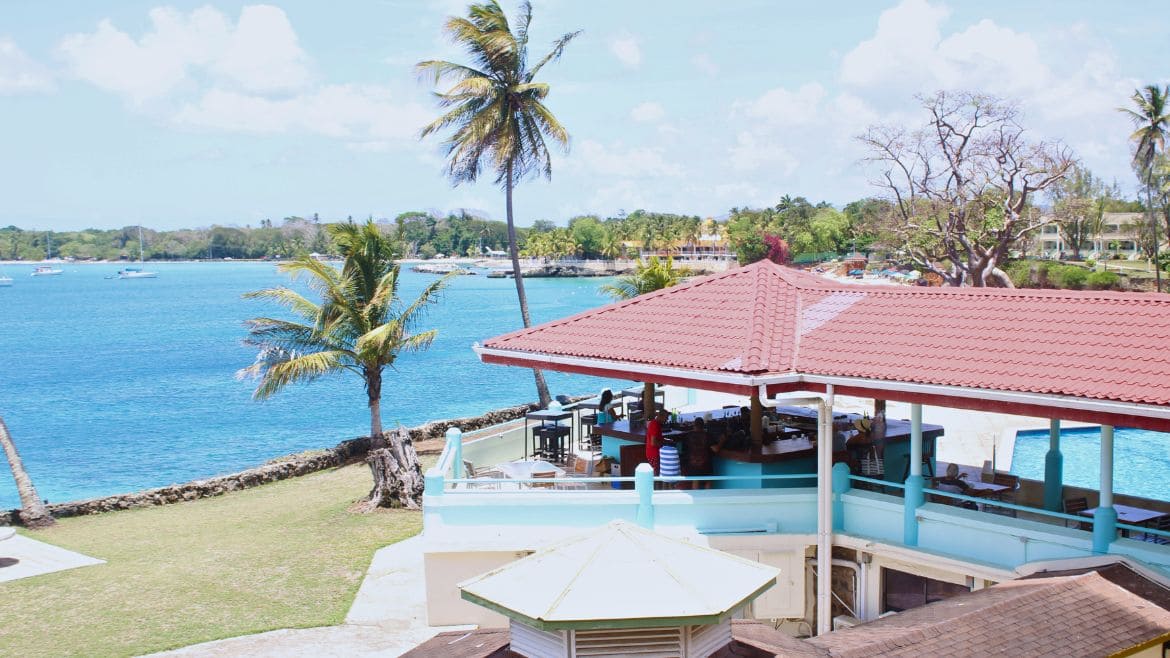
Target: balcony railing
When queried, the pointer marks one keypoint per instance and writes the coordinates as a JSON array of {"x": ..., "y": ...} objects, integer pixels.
[{"x": 997, "y": 533}]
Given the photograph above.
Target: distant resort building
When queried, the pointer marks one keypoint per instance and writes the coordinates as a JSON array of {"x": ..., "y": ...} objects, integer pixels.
[{"x": 1119, "y": 237}]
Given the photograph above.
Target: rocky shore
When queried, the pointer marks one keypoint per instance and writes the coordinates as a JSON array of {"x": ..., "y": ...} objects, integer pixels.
[{"x": 344, "y": 453}]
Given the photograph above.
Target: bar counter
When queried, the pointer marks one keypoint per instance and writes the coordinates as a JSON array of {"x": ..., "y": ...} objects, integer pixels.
[{"x": 779, "y": 455}]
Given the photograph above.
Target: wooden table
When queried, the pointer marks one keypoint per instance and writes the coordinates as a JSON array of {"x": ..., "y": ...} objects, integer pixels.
[
  {"x": 986, "y": 489},
  {"x": 1130, "y": 515}
]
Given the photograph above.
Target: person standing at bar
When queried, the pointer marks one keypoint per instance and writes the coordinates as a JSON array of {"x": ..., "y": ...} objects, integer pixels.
[{"x": 654, "y": 438}]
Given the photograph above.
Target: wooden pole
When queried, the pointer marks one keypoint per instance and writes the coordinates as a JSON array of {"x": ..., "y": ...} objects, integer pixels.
[{"x": 648, "y": 409}]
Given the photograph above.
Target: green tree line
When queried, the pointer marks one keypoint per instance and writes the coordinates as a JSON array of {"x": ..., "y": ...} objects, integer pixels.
[{"x": 810, "y": 229}]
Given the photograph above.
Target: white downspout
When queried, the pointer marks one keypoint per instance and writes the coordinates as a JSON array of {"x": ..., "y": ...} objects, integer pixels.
[{"x": 824, "y": 497}]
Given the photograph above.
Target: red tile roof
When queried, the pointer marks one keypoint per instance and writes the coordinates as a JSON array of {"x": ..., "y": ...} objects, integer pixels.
[
  {"x": 1083, "y": 615},
  {"x": 765, "y": 319}
]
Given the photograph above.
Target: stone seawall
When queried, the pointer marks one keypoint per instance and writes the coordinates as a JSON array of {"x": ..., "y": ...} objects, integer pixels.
[{"x": 346, "y": 452}]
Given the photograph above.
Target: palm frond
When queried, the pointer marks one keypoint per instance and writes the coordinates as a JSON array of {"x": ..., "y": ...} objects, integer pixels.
[
  {"x": 436, "y": 70},
  {"x": 494, "y": 107},
  {"x": 288, "y": 298},
  {"x": 558, "y": 49},
  {"x": 277, "y": 369}
]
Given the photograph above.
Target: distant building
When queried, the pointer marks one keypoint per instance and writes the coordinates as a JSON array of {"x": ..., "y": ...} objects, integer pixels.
[{"x": 1119, "y": 236}]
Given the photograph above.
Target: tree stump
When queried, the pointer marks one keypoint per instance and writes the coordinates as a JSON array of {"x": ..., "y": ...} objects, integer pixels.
[{"x": 398, "y": 477}]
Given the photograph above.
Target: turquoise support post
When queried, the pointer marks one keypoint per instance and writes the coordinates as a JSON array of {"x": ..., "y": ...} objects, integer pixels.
[
  {"x": 1105, "y": 516},
  {"x": 1104, "y": 528},
  {"x": 644, "y": 487},
  {"x": 841, "y": 485},
  {"x": 433, "y": 482},
  {"x": 914, "y": 482},
  {"x": 1054, "y": 470},
  {"x": 455, "y": 445}
]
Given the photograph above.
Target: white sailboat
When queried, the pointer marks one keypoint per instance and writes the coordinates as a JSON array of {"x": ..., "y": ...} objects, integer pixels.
[
  {"x": 5, "y": 281},
  {"x": 137, "y": 272},
  {"x": 47, "y": 270}
]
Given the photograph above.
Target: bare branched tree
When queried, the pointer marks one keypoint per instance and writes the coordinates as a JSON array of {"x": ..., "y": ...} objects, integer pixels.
[{"x": 960, "y": 186}]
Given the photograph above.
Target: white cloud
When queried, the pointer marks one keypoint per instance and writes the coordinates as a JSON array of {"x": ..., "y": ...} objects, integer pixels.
[
  {"x": 751, "y": 153},
  {"x": 259, "y": 54},
  {"x": 743, "y": 192},
  {"x": 703, "y": 63},
  {"x": 201, "y": 71},
  {"x": 369, "y": 114},
  {"x": 1066, "y": 80},
  {"x": 908, "y": 53},
  {"x": 648, "y": 111},
  {"x": 783, "y": 107},
  {"x": 903, "y": 44},
  {"x": 19, "y": 74},
  {"x": 619, "y": 161},
  {"x": 627, "y": 50}
]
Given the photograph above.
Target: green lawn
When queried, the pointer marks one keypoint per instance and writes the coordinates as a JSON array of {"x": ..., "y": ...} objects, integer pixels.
[{"x": 284, "y": 555}]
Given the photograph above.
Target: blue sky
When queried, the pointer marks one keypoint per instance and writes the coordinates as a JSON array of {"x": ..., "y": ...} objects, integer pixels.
[{"x": 189, "y": 114}]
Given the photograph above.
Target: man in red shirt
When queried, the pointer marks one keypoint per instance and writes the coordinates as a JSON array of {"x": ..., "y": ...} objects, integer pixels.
[{"x": 654, "y": 438}]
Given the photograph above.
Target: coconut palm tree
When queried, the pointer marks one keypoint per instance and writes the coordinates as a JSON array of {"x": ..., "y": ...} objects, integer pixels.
[
  {"x": 1151, "y": 123},
  {"x": 359, "y": 325},
  {"x": 649, "y": 275},
  {"x": 496, "y": 109},
  {"x": 32, "y": 510}
]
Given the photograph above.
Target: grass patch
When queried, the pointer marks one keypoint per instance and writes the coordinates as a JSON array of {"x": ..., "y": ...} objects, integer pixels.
[{"x": 285, "y": 555}]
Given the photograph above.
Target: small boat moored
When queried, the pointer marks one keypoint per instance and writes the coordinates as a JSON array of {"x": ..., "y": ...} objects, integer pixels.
[{"x": 46, "y": 270}]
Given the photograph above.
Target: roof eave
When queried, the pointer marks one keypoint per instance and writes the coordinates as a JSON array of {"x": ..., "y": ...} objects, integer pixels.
[
  {"x": 1145, "y": 416},
  {"x": 714, "y": 617}
]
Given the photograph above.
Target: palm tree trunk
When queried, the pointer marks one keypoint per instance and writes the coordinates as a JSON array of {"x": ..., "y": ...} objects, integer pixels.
[
  {"x": 1153, "y": 227},
  {"x": 541, "y": 385},
  {"x": 374, "y": 395},
  {"x": 394, "y": 466},
  {"x": 32, "y": 511}
]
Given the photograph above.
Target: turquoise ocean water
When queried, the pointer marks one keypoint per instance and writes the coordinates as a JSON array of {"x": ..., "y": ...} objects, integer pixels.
[{"x": 110, "y": 386}]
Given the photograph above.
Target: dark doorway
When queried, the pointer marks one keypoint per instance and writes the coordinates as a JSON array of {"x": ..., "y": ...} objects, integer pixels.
[{"x": 902, "y": 591}]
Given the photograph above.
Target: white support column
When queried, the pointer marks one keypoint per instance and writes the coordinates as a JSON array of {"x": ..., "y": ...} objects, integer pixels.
[
  {"x": 1105, "y": 516},
  {"x": 914, "y": 496},
  {"x": 825, "y": 513},
  {"x": 1106, "y": 466}
]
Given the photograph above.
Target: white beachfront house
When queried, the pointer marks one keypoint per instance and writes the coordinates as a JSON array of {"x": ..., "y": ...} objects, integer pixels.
[
  {"x": 1119, "y": 236},
  {"x": 788, "y": 339}
]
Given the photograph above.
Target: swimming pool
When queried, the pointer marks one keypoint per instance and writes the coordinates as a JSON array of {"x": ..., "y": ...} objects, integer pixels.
[{"x": 1141, "y": 459}]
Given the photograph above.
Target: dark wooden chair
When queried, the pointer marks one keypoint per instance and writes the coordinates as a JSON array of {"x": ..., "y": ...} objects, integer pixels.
[
  {"x": 927, "y": 465},
  {"x": 1075, "y": 506},
  {"x": 1160, "y": 523}
]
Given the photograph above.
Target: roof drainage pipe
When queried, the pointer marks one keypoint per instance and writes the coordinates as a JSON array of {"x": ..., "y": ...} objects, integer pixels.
[{"x": 824, "y": 405}]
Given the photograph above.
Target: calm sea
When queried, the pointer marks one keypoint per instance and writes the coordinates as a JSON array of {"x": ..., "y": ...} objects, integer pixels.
[{"x": 110, "y": 386}]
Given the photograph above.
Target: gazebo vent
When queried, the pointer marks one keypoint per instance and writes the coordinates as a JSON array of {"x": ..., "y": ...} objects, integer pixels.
[{"x": 698, "y": 641}]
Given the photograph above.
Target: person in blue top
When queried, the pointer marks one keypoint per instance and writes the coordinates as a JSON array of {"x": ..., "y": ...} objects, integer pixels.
[{"x": 606, "y": 413}]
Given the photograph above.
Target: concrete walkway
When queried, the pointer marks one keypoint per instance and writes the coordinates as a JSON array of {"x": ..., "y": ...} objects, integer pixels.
[
  {"x": 21, "y": 557},
  {"x": 388, "y": 618}
]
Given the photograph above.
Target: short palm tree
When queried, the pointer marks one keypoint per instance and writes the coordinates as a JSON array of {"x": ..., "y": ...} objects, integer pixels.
[
  {"x": 1151, "y": 122},
  {"x": 649, "y": 275},
  {"x": 496, "y": 109},
  {"x": 360, "y": 326}
]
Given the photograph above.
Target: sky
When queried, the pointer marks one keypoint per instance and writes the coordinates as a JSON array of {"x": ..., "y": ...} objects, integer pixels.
[{"x": 192, "y": 114}]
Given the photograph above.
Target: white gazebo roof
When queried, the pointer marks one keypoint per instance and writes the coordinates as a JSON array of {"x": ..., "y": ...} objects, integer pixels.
[{"x": 618, "y": 576}]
